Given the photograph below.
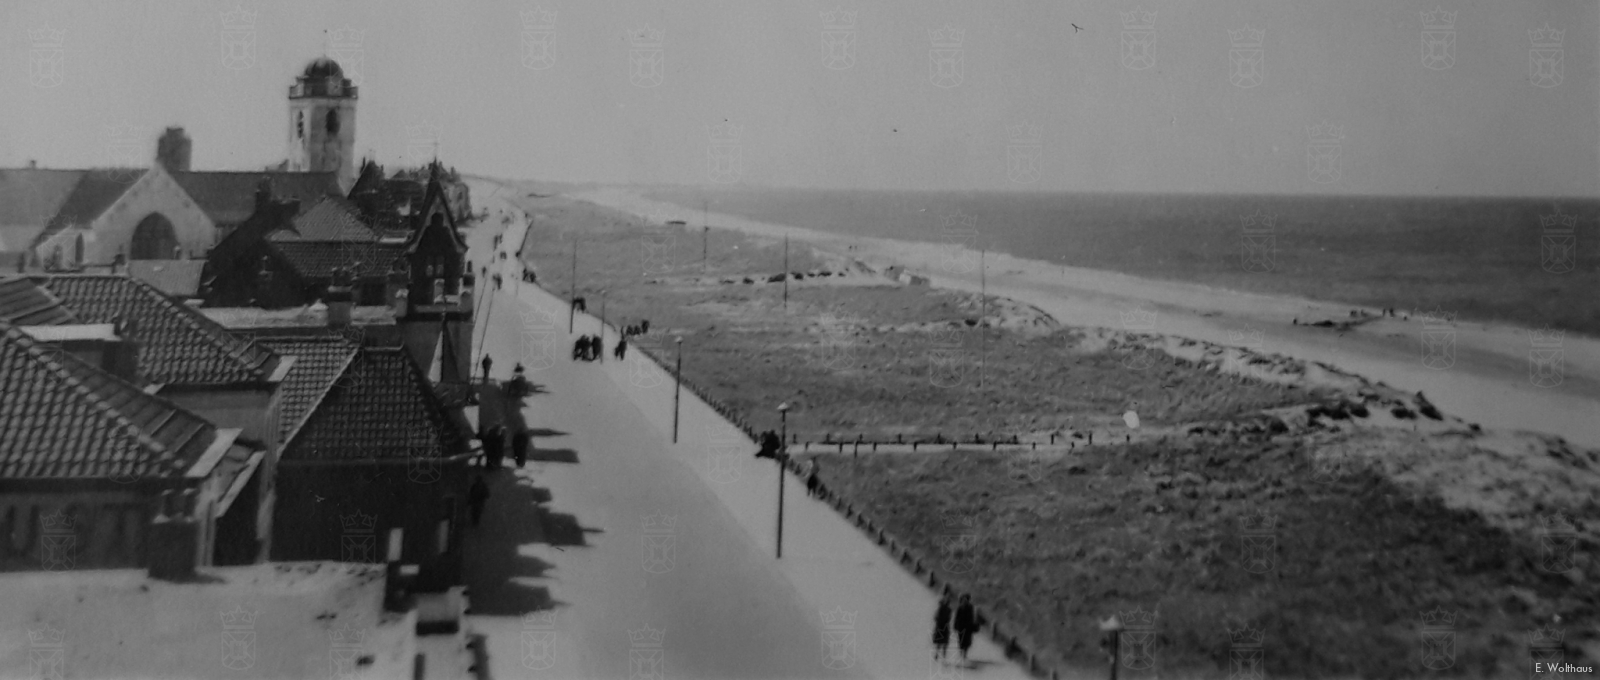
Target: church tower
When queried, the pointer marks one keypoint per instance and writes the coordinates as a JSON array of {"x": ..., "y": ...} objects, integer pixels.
[{"x": 322, "y": 122}]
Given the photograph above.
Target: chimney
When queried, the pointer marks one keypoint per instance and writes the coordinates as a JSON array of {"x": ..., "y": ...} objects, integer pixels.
[
  {"x": 341, "y": 297},
  {"x": 174, "y": 542},
  {"x": 33, "y": 164},
  {"x": 121, "y": 356},
  {"x": 172, "y": 150}
]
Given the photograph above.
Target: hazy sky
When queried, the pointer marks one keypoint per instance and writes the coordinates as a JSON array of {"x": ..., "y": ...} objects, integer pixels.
[{"x": 1478, "y": 123}]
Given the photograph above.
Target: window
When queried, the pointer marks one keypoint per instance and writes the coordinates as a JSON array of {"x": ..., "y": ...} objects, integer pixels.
[
  {"x": 300, "y": 125},
  {"x": 333, "y": 122}
]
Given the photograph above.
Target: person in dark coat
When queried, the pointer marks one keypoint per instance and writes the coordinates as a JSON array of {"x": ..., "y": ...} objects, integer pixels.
[
  {"x": 644, "y": 327},
  {"x": 519, "y": 447},
  {"x": 812, "y": 484},
  {"x": 580, "y": 347},
  {"x": 477, "y": 497},
  {"x": 487, "y": 362},
  {"x": 596, "y": 346},
  {"x": 966, "y": 623},
  {"x": 941, "y": 628},
  {"x": 622, "y": 349},
  {"x": 493, "y": 451}
]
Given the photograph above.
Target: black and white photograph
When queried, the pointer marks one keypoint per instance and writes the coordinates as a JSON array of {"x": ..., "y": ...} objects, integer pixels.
[{"x": 833, "y": 340}]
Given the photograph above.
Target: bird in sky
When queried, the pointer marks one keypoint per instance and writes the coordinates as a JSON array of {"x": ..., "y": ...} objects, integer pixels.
[{"x": 1076, "y": 28}]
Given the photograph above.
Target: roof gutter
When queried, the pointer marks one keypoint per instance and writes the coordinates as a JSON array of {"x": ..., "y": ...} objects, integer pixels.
[{"x": 208, "y": 461}]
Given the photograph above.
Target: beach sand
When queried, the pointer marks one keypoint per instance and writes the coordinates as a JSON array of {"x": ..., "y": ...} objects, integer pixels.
[{"x": 1489, "y": 382}]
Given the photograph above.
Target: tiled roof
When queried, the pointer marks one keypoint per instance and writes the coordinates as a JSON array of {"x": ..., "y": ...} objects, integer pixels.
[
  {"x": 25, "y": 304},
  {"x": 62, "y": 418},
  {"x": 230, "y": 197},
  {"x": 31, "y": 196},
  {"x": 316, "y": 259},
  {"x": 177, "y": 345},
  {"x": 382, "y": 407},
  {"x": 173, "y": 277},
  {"x": 331, "y": 219},
  {"x": 96, "y": 190},
  {"x": 318, "y": 360}
]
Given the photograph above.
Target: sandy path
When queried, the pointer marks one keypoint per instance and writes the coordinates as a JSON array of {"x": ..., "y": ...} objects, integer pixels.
[{"x": 1488, "y": 384}]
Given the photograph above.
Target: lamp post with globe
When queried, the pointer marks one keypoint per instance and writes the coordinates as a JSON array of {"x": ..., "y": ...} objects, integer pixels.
[{"x": 783, "y": 459}]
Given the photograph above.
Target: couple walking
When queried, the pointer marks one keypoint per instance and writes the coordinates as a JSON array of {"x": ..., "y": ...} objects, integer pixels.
[{"x": 966, "y": 623}]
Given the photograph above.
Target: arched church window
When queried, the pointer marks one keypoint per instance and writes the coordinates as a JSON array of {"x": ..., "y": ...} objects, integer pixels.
[
  {"x": 300, "y": 125},
  {"x": 333, "y": 122}
]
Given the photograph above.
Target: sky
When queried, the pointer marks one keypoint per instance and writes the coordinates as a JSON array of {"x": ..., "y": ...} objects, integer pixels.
[{"x": 1131, "y": 108}]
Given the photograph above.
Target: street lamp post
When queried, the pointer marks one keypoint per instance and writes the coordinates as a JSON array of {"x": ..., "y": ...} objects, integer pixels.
[
  {"x": 786, "y": 273},
  {"x": 783, "y": 459},
  {"x": 572, "y": 304},
  {"x": 601, "y": 351},
  {"x": 677, "y": 389}
]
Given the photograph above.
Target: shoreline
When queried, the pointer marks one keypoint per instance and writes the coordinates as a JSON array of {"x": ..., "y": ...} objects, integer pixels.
[{"x": 1488, "y": 382}]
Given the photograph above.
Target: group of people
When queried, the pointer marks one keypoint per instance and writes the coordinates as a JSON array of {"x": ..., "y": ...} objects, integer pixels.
[
  {"x": 966, "y": 622},
  {"x": 494, "y": 442},
  {"x": 587, "y": 348}
]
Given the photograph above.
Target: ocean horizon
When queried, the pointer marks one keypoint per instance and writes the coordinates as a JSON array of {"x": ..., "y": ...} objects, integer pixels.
[{"x": 1528, "y": 261}]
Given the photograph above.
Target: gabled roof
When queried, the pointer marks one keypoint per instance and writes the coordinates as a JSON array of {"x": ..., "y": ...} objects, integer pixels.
[
  {"x": 318, "y": 360},
  {"x": 317, "y": 259},
  {"x": 229, "y": 197},
  {"x": 31, "y": 196},
  {"x": 177, "y": 345},
  {"x": 62, "y": 418},
  {"x": 331, "y": 219},
  {"x": 95, "y": 192},
  {"x": 25, "y": 304},
  {"x": 382, "y": 408}
]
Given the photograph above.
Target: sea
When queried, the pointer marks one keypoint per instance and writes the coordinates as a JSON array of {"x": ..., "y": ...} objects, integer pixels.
[{"x": 1530, "y": 261}]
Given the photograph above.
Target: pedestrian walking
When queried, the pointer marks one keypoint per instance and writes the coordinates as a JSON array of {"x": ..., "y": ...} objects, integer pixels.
[
  {"x": 622, "y": 349},
  {"x": 966, "y": 623},
  {"x": 477, "y": 497},
  {"x": 644, "y": 327},
  {"x": 597, "y": 346},
  {"x": 519, "y": 447},
  {"x": 941, "y": 627},
  {"x": 487, "y": 362},
  {"x": 580, "y": 347},
  {"x": 492, "y": 438},
  {"x": 812, "y": 485}
]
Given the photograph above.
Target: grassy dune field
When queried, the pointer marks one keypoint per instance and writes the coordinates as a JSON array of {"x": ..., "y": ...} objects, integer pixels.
[{"x": 1325, "y": 511}]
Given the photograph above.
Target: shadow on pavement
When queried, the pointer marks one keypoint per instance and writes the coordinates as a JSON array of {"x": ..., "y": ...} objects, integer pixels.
[
  {"x": 546, "y": 432},
  {"x": 496, "y": 572},
  {"x": 553, "y": 455}
]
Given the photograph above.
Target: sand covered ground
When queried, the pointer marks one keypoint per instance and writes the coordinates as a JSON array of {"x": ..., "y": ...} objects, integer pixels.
[{"x": 1384, "y": 502}]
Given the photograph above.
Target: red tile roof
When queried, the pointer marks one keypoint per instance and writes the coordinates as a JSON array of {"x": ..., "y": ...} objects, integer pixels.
[
  {"x": 230, "y": 197},
  {"x": 316, "y": 259},
  {"x": 331, "y": 219},
  {"x": 25, "y": 304},
  {"x": 62, "y": 418},
  {"x": 381, "y": 407},
  {"x": 177, "y": 345},
  {"x": 318, "y": 360}
]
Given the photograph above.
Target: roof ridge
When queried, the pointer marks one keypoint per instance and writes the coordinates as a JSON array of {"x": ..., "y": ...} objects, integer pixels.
[
  {"x": 127, "y": 427},
  {"x": 199, "y": 323},
  {"x": 322, "y": 395}
]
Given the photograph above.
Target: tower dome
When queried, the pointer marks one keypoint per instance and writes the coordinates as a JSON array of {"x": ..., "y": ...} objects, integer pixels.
[{"x": 323, "y": 67}]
